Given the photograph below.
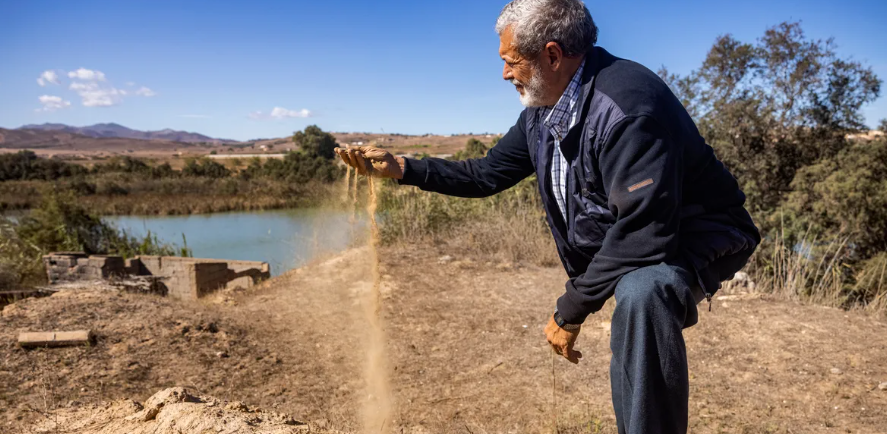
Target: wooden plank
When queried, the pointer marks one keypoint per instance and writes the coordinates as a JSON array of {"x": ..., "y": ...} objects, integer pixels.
[{"x": 55, "y": 339}]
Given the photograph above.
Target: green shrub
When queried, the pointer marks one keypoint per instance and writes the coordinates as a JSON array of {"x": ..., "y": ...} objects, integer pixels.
[{"x": 25, "y": 165}]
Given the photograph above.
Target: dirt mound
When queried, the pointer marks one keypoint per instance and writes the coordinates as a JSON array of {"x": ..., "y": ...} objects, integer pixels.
[{"x": 175, "y": 410}]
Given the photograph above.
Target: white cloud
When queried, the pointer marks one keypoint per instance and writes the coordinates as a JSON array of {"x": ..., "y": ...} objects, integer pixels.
[
  {"x": 48, "y": 77},
  {"x": 281, "y": 113},
  {"x": 93, "y": 88},
  {"x": 144, "y": 91},
  {"x": 94, "y": 95},
  {"x": 87, "y": 74},
  {"x": 52, "y": 103}
]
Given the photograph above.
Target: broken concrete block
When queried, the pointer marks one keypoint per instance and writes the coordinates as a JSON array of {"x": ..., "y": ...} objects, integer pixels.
[{"x": 55, "y": 339}]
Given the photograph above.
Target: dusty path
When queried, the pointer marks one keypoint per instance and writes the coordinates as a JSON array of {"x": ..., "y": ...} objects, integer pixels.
[{"x": 466, "y": 348}]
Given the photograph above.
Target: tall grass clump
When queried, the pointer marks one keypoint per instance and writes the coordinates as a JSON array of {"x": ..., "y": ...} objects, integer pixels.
[
  {"x": 826, "y": 271},
  {"x": 509, "y": 226}
]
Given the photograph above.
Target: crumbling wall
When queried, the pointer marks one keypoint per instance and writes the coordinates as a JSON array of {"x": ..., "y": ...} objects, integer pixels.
[
  {"x": 74, "y": 266},
  {"x": 183, "y": 278},
  {"x": 209, "y": 277}
]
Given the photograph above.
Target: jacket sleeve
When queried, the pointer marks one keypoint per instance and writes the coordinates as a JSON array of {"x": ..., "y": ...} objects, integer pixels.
[
  {"x": 642, "y": 169},
  {"x": 505, "y": 165}
]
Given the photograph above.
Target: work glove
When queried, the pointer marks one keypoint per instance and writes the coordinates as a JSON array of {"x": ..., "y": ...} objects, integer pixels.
[
  {"x": 372, "y": 161},
  {"x": 562, "y": 341}
]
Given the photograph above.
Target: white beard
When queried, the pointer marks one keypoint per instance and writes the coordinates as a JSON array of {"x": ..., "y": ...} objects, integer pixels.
[{"x": 534, "y": 90}]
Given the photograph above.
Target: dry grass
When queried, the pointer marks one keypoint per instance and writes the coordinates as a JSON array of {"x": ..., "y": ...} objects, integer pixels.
[
  {"x": 821, "y": 271},
  {"x": 507, "y": 227}
]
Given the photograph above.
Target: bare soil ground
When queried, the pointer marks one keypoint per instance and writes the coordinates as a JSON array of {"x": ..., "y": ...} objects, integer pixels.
[{"x": 466, "y": 349}]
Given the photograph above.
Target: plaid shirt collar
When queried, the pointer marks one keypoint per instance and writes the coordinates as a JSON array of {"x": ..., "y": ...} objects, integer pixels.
[{"x": 558, "y": 117}]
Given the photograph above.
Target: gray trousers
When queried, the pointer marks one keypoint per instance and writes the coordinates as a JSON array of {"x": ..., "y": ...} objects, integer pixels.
[{"x": 648, "y": 371}]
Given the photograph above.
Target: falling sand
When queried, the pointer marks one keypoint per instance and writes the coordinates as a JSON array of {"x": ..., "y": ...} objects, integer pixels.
[
  {"x": 377, "y": 404},
  {"x": 377, "y": 410}
]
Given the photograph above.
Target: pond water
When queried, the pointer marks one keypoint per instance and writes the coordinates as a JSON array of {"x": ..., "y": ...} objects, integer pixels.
[{"x": 285, "y": 239}]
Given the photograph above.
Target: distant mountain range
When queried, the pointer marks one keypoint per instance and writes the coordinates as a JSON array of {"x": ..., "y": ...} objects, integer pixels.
[{"x": 119, "y": 131}]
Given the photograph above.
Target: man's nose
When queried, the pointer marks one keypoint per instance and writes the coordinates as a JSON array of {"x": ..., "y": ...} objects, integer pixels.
[{"x": 507, "y": 73}]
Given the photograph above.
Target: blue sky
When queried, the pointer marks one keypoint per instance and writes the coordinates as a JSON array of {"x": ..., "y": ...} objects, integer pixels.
[{"x": 220, "y": 68}]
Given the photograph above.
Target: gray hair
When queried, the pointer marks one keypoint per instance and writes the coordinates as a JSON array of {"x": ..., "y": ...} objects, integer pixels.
[{"x": 538, "y": 22}]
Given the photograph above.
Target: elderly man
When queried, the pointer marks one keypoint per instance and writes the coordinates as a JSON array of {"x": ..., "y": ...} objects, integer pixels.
[{"x": 639, "y": 206}]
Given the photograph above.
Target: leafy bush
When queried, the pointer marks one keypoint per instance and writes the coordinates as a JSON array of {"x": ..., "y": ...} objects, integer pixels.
[
  {"x": 205, "y": 168},
  {"x": 315, "y": 142},
  {"x": 61, "y": 224},
  {"x": 846, "y": 195},
  {"x": 473, "y": 149},
  {"x": 25, "y": 165}
]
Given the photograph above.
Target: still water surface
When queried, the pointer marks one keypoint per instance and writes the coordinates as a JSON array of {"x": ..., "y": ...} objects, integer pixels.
[{"x": 285, "y": 239}]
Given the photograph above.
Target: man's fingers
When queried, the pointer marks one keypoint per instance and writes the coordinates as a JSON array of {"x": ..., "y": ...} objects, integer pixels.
[
  {"x": 573, "y": 356},
  {"x": 352, "y": 160},
  {"x": 361, "y": 163},
  {"x": 343, "y": 154}
]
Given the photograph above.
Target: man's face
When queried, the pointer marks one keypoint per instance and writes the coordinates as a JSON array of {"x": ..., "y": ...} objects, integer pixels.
[{"x": 526, "y": 74}]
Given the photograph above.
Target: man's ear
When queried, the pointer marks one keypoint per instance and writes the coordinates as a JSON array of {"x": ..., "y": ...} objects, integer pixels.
[{"x": 553, "y": 55}]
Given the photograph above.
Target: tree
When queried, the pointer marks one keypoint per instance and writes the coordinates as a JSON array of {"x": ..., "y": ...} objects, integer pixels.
[
  {"x": 315, "y": 142},
  {"x": 846, "y": 195},
  {"x": 473, "y": 149},
  {"x": 882, "y": 126},
  {"x": 772, "y": 107}
]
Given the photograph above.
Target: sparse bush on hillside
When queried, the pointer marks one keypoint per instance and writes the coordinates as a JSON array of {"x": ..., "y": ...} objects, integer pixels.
[
  {"x": 473, "y": 149},
  {"x": 315, "y": 142}
]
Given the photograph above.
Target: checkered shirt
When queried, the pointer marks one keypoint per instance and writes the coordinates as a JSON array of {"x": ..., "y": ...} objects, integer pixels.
[{"x": 559, "y": 119}]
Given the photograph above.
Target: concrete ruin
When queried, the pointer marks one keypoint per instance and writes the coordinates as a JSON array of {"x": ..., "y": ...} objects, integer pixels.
[{"x": 182, "y": 278}]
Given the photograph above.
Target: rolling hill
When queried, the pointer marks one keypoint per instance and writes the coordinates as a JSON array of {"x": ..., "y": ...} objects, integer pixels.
[{"x": 120, "y": 131}]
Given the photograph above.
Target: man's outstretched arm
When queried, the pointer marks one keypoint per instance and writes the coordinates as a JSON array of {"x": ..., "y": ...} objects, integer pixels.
[{"x": 505, "y": 165}]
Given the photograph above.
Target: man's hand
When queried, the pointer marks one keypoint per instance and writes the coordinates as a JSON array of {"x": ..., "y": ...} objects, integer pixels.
[
  {"x": 562, "y": 341},
  {"x": 369, "y": 160}
]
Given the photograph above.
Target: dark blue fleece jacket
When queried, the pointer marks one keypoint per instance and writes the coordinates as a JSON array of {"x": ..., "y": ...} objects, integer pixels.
[{"x": 643, "y": 186}]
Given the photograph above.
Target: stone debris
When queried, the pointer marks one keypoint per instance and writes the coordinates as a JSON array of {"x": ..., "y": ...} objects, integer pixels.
[{"x": 741, "y": 282}]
